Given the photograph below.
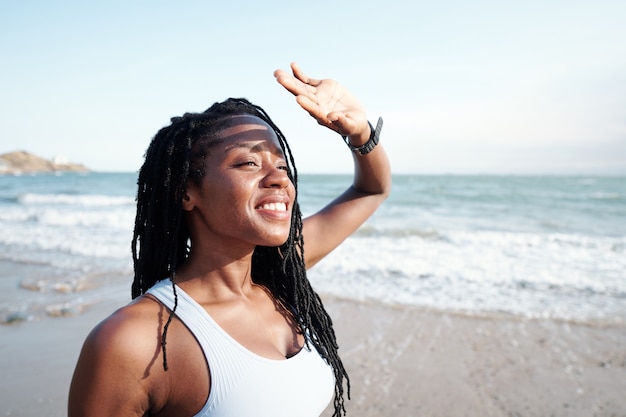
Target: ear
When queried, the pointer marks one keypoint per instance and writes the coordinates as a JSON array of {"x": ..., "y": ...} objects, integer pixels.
[{"x": 188, "y": 199}]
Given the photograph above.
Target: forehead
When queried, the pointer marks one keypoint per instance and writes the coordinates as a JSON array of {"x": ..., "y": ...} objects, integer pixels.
[
  {"x": 235, "y": 125},
  {"x": 247, "y": 131}
]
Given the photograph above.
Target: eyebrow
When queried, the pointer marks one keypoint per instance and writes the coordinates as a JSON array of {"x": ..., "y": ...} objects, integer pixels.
[
  {"x": 256, "y": 147},
  {"x": 247, "y": 145}
]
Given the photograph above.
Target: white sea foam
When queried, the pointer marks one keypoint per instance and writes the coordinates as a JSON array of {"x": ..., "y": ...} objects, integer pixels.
[
  {"x": 519, "y": 273},
  {"x": 552, "y": 247},
  {"x": 75, "y": 200}
]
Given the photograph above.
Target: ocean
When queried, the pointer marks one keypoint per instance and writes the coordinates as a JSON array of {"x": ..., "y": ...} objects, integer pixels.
[{"x": 529, "y": 246}]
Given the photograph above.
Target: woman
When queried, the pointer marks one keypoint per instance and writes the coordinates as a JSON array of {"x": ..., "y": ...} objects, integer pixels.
[{"x": 224, "y": 321}]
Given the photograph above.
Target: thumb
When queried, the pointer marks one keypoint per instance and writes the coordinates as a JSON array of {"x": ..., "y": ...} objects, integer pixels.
[{"x": 342, "y": 123}]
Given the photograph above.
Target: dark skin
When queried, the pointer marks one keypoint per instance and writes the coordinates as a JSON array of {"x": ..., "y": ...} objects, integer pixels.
[{"x": 120, "y": 372}]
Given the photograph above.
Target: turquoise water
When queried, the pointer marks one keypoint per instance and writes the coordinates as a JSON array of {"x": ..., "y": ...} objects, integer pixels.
[{"x": 531, "y": 246}]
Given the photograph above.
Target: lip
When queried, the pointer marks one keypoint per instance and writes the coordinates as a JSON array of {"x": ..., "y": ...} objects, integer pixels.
[{"x": 274, "y": 199}]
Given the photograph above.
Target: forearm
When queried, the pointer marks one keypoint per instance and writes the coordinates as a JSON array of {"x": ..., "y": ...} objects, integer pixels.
[{"x": 372, "y": 173}]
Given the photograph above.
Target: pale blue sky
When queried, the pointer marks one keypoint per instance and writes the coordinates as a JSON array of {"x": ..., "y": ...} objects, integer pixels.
[{"x": 464, "y": 87}]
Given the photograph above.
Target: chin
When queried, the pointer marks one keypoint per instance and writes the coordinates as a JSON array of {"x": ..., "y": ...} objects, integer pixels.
[
  {"x": 277, "y": 238},
  {"x": 275, "y": 242}
]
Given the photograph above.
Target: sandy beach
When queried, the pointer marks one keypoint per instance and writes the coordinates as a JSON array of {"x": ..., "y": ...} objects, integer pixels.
[
  {"x": 403, "y": 361},
  {"x": 412, "y": 362}
]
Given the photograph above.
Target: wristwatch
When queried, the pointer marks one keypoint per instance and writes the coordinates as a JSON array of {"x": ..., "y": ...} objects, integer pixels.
[{"x": 368, "y": 146}]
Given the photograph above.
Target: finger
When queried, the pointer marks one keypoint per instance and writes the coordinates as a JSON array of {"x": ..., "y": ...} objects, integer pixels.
[
  {"x": 292, "y": 85},
  {"x": 311, "y": 107},
  {"x": 280, "y": 73},
  {"x": 341, "y": 121},
  {"x": 345, "y": 123},
  {"x": 300, "y": 75}
]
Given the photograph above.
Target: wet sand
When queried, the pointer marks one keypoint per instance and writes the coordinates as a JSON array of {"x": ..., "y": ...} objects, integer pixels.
[
  {"x": 402, "y": 362},
  {"x": 411, "y": 362}
]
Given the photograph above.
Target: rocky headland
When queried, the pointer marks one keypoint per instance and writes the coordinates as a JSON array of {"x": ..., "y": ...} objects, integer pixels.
[{"x": 22, "y": 162}]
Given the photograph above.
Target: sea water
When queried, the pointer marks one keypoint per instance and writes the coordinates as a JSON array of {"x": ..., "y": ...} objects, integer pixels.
[{"x": 533, "y": 246}]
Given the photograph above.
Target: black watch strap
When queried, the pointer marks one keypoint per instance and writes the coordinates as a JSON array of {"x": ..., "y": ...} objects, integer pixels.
[{"x": 368, "y": 146}]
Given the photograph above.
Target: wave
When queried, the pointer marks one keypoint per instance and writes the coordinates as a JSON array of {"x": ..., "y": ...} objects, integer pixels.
[
  {"x": 494, "y": 237},
  {"x": 13, "y": 220},
  {"x": 567, "y": 276},
  {"x": 82, "y": 200},
  {"x": 74, "y": 248},
  {"x": 374, "y": 231},
  {"x": 605, "y": 196}
]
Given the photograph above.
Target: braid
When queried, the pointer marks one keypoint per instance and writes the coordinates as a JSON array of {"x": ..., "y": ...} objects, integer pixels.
[{"x": 161, "y": 236}]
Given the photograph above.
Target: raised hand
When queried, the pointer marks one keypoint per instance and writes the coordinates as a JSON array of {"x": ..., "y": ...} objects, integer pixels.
[{"x": 331, "y": 104}]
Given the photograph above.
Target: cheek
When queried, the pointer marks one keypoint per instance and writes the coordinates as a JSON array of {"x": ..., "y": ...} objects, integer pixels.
[{"x": 228, "y": 197}]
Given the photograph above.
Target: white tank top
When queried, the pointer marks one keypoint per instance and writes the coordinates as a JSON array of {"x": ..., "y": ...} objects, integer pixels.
[{"x": 244, "y": 384}]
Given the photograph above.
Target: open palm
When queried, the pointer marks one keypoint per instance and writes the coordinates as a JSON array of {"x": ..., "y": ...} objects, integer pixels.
[{"x": 326, "y": 100}]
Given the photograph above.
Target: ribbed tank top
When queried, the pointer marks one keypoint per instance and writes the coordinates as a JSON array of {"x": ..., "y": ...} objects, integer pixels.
[{"x": 244, "y": 384}]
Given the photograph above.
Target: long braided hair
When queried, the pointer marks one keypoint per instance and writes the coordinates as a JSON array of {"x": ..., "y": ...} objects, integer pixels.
[{"x": 161, "y": 238}]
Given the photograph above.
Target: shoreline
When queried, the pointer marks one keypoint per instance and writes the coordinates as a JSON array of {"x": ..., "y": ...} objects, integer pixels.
[{"x": 402, "y": 361}]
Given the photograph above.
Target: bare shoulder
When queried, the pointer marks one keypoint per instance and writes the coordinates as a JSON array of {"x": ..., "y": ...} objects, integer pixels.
[
  {"x": 130, "y": 334},
  {"x": 116, "y": 363},
  {"x": 130, "y": 326}
]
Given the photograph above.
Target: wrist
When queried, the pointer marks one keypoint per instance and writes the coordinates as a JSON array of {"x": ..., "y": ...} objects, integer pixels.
[
  {"x": 363, "y": 144},
  {"x": 361, "y": 138}
]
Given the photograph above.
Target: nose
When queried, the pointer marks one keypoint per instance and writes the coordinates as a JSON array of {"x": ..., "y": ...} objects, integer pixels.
[{"x": 276, "y": 178}]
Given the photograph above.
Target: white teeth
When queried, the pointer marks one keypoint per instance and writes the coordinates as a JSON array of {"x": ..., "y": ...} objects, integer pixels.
[{"x": 275, "y": 206}]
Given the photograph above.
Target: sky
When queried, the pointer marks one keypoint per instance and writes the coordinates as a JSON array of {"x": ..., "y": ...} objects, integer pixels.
[{"x": 464, "y": 87}]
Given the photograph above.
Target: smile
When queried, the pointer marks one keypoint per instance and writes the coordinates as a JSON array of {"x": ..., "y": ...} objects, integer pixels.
[{"x": 274, "y": 207}]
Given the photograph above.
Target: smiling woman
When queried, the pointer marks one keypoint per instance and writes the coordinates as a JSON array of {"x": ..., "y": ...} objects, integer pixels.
[
  {"x": 245, "y": 194},
  {"x": 220, "y": 249}
]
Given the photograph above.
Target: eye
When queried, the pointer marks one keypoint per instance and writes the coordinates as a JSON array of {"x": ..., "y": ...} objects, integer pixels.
[
  {"x": 246, "y": 164},
  {"x": 281, "y": 164}
]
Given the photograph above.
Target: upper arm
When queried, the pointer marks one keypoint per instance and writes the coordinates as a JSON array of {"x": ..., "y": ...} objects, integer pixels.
[{"x": 110, "y": 376}]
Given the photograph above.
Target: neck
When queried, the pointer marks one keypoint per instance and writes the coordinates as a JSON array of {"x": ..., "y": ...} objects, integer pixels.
[{"x": 219, "y": 274}]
